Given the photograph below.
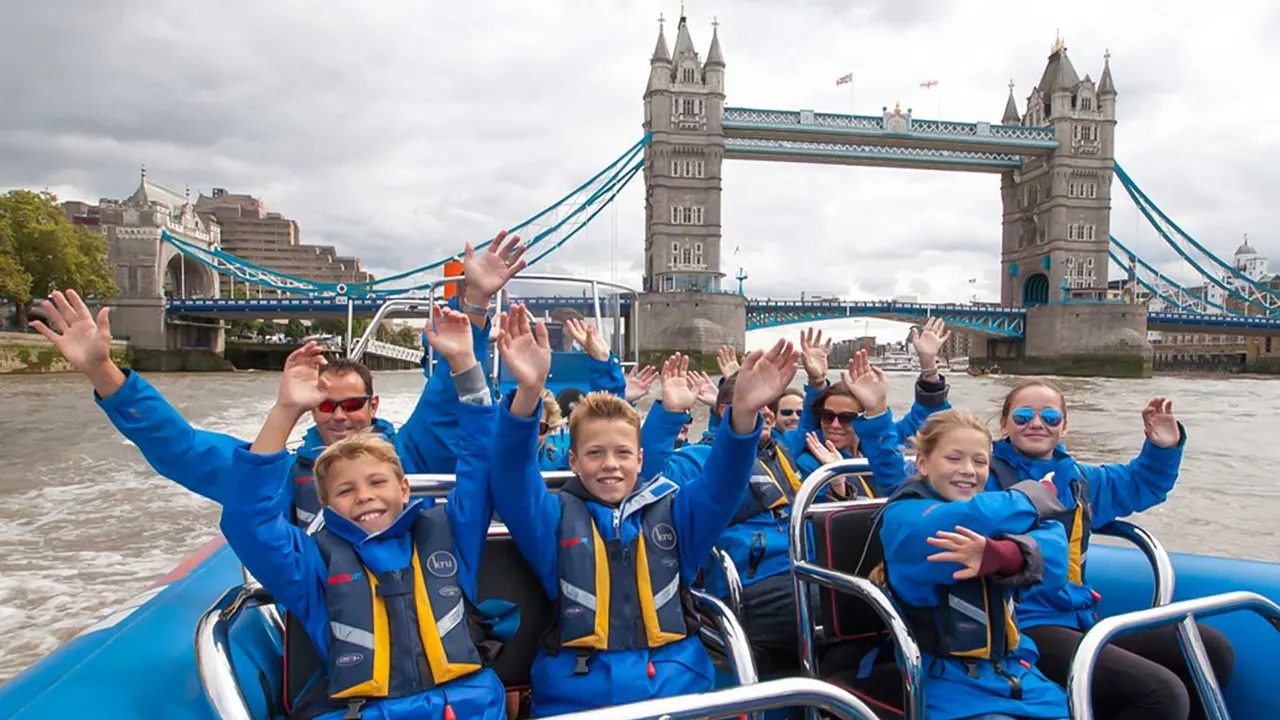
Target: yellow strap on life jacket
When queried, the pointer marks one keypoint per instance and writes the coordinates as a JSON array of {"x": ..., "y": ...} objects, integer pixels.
[
  {"x": 379, "y": 685},
  {"x": 790, "y": 472},
  {"x": 654, "y": 634},
  {"x": 442, "y": 671},
  {"x": 599, "y": 639},
  {"x": 1075, "y": 566}
]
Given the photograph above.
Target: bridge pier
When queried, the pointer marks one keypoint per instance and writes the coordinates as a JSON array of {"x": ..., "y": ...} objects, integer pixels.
[
  {"x": 693, "y": 323},
  {"x": 1084, "y": 340}
]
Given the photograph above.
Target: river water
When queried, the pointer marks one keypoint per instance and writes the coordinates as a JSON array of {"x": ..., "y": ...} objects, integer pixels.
[{"x": 85, "y": 524}]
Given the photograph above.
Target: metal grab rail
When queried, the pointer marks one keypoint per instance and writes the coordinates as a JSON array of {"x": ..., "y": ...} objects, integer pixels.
[
  {"x": 732, "y": 579},
  {"x": 357, "y": 352},
  {"x": 439, "y": 484},
  {"x": 731, "y": 638},
  {"x": 1080, "y": 678},
  {"x": 1161, "y": 564},
  {"x": 213, "y": 650},
  {"x": 732, "y": 702},
  {"x": 910, "y": 662}
]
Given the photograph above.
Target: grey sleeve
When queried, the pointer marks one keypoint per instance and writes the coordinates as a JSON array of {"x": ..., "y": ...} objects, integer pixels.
[
  {"x": 1042, "y": 497},
  {"x": 1033, "y": 559},
  {"x": 472, "y": 387}
]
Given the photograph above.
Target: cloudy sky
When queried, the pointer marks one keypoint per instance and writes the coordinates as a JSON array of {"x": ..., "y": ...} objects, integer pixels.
[{"x": 396, "y": 130}]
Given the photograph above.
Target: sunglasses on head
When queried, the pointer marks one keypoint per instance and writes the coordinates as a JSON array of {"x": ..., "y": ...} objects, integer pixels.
[
  {"x": 349, "y": 405},
  {"x": 788, "y": 412},
  {"x": 1051, "y": 417},
  {"x": 844, "y": 418}
]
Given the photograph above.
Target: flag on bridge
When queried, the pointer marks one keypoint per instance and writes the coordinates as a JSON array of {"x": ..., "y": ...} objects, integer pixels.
[
  {"x": 929, "y": 84},
  {"x": 844, "y": 80}
]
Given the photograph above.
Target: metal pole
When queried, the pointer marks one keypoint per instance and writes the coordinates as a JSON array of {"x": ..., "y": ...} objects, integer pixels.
[
  {"x": 351, "y": 316},
  {"x": 183, "y": 272}
]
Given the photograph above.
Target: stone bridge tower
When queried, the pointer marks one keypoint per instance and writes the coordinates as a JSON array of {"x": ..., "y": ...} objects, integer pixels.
[
  {"x": 684, "y": 306},
  {"x": 148, "y": 270},
  {"x": 1057, "y": 209}
]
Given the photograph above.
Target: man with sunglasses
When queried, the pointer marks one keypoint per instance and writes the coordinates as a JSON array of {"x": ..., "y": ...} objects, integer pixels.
[{"x": 192, "y": 457}]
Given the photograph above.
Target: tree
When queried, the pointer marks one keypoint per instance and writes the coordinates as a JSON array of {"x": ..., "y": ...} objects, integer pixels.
[
  {"x": 41, "y": 250},
  {"x": 294, "y": 329}
]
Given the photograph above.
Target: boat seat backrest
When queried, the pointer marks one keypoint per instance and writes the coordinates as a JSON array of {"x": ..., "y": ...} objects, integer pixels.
[
  {"x": 504, "y": 575},
  {"x": 847, "y": 539}
]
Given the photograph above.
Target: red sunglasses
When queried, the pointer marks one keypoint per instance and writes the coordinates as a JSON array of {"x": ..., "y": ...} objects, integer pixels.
[{"x": 348, "y": 405}]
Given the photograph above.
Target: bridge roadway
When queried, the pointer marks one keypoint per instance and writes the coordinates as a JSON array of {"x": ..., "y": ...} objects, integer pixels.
[{"x": 989, "y": 320}]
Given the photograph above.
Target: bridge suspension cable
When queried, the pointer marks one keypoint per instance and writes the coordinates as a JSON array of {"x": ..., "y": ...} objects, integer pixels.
[
  {"x": 558, "y": 222},
  {"x": 1241, "y": 287},
  {"x": 1164, "y": 287}
]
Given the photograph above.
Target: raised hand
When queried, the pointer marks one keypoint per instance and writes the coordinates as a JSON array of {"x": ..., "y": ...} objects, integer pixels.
[
  {"x": 867, "y": 383},
  {"x": 83, "y": 341},
  {"x": 678, "y": 393},
  {"x": 449, "y": 333},
  {"x": 763, "y": 377},
  {"x": 525, "y": 349},
  {"x": 727, "y": 359},
  {"x": 813, "y": 354},
  {"x": 302, "y": 387},
  {"x": 639, "y": 380},
  {"x": 825, "y": 453},
  {"x": 1159, "y": 423},
  {"x": 588, "y": 336},
  {"x": 489, "y": 270},
  {"x": 963, "y": 546},
  {"x": 929, "y": 341},
  {"x": 705, "y": 387}
]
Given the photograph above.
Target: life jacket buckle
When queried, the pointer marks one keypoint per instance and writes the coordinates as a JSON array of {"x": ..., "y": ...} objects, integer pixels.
[
  {"x": 579, "y": 667},
  {"x": 971, "y": 669},
  {"x": 354, "y": 709}
]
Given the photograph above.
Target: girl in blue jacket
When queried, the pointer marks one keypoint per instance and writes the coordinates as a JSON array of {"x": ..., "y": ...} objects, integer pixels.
[
  {"x": 955, "y": 558},
  {"x": 1141, "y": 674},
  {"x": 385, "y": 589},
  {"x": 616, "y": 555}
]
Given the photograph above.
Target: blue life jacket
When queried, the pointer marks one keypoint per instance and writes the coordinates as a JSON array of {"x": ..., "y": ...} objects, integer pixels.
[
  {"x": 975, "y": 620},
  {"x": 402, "y": 633},
  {"x": 614, "y": 597}
]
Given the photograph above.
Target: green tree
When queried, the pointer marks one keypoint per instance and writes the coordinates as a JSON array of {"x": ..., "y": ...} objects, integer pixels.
[
  {"x": 41, "y": 250},
  {"x": 295, "y": 330}
]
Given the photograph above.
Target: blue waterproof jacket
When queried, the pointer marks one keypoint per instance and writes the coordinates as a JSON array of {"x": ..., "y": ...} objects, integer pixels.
[
  {"x": 194, "y": 458},
  {"x": 1115, "y": 491},
  {"x": 701, "y": 509},
  {"x": 290, "y": 566},
  {"x": 931, "y": 397},
  {"x": 954, "y": 688},
  {"x": 605, "y": 376}
]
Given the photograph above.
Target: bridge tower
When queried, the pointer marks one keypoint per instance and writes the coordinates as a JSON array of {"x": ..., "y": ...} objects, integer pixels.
[
  {"x": 147, "y": 270},
  {"x": 1057, "y": 209},
  {"x": 684, "y": 306}
]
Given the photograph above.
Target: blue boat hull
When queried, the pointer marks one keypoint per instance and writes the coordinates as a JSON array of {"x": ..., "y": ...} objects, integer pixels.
[{"x": 140, "y": 662}]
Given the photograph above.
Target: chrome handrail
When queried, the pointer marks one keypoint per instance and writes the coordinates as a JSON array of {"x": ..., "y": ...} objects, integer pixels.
[
  {"x": 213, "y": 650},
  {"x": 731, "y": 638},
  {"x": 1162, "y": 572},
  {"x": 1184, "y": 612},
  {"x": 271, "y": 612},
  {"x": 413, "y": 303},
  {"x": 732, "y": 580},
  {"x": 732, "y": 702},
  {"x": 439, "y": 484},
  {"x": 910, "y": 662}
]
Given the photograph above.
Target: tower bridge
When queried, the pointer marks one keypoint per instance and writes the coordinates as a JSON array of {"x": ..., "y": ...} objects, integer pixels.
[{"x": 1055, "y": 159}]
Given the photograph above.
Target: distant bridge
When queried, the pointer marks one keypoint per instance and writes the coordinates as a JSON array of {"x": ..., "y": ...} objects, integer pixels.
[{"x": 989, "y": 320}]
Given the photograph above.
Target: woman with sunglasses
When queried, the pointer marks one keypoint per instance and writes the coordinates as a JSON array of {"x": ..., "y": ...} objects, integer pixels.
[{"x": 1141, "y": 674}]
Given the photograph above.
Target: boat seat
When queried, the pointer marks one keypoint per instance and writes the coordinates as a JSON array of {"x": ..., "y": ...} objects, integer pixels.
[{"x": 846, "y": 539}]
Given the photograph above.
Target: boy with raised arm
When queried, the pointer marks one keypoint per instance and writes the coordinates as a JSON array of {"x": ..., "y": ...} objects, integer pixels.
[
  {"x": 386, "y": 588},
  {"x": 616, "y": 556},
  {"x": 193, "y": 458}
]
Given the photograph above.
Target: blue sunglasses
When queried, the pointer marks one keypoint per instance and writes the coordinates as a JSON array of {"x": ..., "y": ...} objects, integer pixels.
[{"x": 1051, "y": 417}]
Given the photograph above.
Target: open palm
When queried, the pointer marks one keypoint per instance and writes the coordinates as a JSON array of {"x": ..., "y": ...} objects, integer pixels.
[
  {"x": 929, "y": 340},
  {"x": 868, "y": 384},
  {"x": 302, "y": 387},
  {"x": 526, "y": 350},
  {"x": 82, "y": 340},
  {"x": 763, "y": 377},
  {"x": 813, "y": 353},
  {"x": 678, "y": 391},
  {"x": 449, "y": 333},
  {"x": 489, "y": 270},
  {"x": 1160, "y": 424}
]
